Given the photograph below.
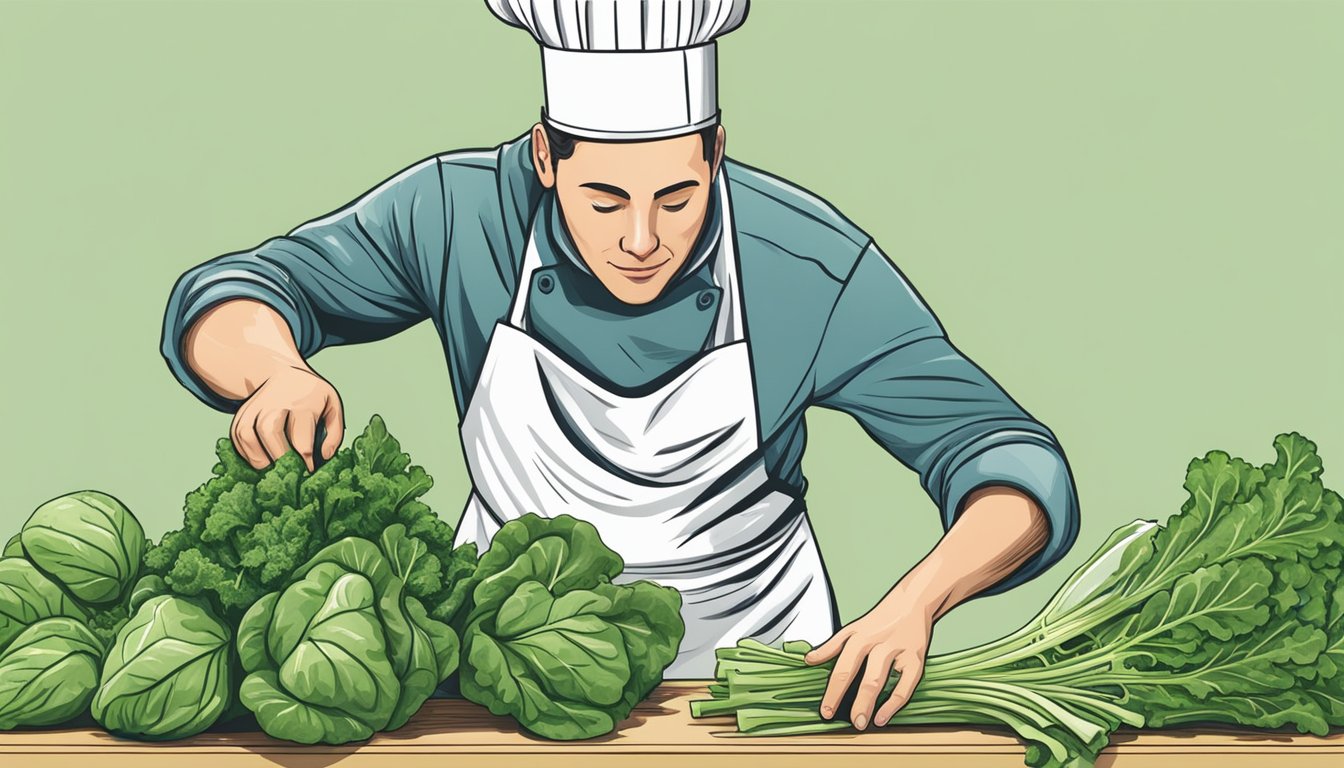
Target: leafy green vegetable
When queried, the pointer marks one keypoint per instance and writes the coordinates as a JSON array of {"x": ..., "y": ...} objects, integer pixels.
[
  {"x": 1232, "y": 613},
  {"x": 48, "y": 674},
  {"x": 148, "y": 586},
  {"x": 168, "y": 674},
  {"x": 552, "y": 642},
  {"x": 245, "y": 532},
  {"x": 52, "y": 644},
  {"x": 105, "y": 622},
  {"x": 563, "y": 552},
  {"x": 89, "y": 542},
  {"x": 13, "y": 547},
  {"x": 27, "y": 596},
  {"x": 343, "y": 651}
]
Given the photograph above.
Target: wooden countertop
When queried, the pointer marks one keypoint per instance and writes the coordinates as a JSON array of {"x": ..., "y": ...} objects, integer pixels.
[{"x": 661, "y": 732}]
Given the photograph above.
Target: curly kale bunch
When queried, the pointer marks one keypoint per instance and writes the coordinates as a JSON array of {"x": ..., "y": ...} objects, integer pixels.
[{"x": 246, "y": 531}]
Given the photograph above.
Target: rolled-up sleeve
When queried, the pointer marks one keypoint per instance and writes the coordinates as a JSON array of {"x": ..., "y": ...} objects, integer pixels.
[
  {"x": 359, "y": 274},
  {"x": 886, "y": 361}
]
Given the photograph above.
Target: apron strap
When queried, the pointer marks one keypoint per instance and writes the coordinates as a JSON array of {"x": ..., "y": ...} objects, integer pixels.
[
  {"x": 531, "y": 260},
  {"x": 730, "y": 327}
]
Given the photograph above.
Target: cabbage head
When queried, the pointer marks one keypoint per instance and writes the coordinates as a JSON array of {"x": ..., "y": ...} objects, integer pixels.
[
  {"x": 552, "y": 642},
  {"x": 49, "y": 673},
  {"x": 87, "y": 541},
  {"x": 342, "y": 651},
  {"x": 168, "y": 673},
  {"x": 27, "y": 596}
]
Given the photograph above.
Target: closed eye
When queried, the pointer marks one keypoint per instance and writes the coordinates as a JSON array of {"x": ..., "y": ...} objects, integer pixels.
[
  {"x": 606, "y": 208},
  {"x": 676, "y": 207}
]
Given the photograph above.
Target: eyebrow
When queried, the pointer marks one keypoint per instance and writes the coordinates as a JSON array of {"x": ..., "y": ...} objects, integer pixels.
[
  {"x": 609, "y": 189},
  {"x": 665, "y": 191},
  {"x": 621, "y": 193}
]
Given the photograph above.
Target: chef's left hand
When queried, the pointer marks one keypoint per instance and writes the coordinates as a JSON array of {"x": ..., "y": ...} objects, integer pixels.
[
  {"x": 895, "y": 634},
  {"x": 998, "y": 529}
]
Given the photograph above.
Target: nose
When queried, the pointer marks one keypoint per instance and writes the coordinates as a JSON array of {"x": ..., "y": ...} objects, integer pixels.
[{"x": 639, "y": 240}]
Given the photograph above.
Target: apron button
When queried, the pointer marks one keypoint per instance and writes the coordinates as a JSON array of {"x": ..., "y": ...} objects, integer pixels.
[
  {"x": 545, "y": 283},
  {"x": 705, "y": 300}
]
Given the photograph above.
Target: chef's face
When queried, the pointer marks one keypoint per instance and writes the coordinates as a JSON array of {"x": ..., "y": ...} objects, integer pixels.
[{"x": 633, "y": 209}]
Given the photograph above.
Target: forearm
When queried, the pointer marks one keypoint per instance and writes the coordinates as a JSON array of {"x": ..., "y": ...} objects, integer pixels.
[
  {"x": 237, "y": 345},
  {"x": 998, "y": 531}
]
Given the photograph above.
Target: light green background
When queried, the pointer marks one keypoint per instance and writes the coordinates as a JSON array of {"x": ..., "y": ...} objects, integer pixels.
[{"x": 1130, "y": 213}]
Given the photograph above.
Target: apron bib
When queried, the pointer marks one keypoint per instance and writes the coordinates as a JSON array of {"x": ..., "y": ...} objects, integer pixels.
[{"x": 674, "y": 480}]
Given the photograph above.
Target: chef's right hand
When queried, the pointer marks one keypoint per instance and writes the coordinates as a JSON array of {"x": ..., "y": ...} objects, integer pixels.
[{"x": 286, "y": 410}]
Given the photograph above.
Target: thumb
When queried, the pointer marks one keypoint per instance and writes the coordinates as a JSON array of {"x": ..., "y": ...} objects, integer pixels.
[{"x": 829, "y": 649}]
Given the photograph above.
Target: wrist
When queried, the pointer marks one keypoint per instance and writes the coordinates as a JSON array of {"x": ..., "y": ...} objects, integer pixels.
[
  {"x": 918, "y": 595},
  {"x": 237, "y": 346},
  {"x": 999, "y": 527},
  {"x": 268, "y": 367}
]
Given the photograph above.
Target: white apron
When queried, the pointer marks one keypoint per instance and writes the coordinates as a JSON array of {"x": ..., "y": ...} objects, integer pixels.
[{"x": 673, "y": 480}]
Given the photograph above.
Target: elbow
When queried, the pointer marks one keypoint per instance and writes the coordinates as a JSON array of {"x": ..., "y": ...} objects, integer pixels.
[
  {"x": 178, "y": 318},
  {"x": 1037, "y": 529},
  {"x": 193, "y": 300},
  {"x": 1019, "y": 522},
  {"x": 1048, "y": 523}
]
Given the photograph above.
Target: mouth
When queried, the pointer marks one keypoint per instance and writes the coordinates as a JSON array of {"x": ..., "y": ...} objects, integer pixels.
[{"x": 640, "y": 274}]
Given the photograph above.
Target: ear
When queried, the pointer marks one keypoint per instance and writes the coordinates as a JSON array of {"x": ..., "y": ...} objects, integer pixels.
[
  {"x": 720, "y": 138},
  {"x": 541, "y": 156}
]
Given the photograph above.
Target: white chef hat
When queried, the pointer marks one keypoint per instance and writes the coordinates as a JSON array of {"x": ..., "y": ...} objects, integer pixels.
[{"x": 627, "y": 69}]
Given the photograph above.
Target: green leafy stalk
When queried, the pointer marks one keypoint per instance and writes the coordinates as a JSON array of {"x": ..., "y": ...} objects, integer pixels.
[{"x": 1231, "y": 613}]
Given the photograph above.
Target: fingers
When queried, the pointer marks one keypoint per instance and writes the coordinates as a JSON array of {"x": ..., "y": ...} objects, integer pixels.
[
  {"x": 243, "y": 432},
  {"x": 285, "y": 411},
  {"x": 911, "y": 667},
  {"x": 876, "y": 672},
  {"x": 262, "y": 438},
  {"x": 333, "y": 419},
  {"x": 846, "y": 669},
  {"x": 271, "y": 433},
  {"x": 303, "y": 435},
  {"x": 829, "y": 649}
]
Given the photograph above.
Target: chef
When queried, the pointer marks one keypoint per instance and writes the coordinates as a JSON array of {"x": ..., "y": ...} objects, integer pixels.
[{"x": 634, "y": 326}]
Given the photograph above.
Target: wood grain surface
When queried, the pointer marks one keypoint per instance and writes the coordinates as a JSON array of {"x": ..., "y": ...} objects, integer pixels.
[{"x": 660, "y": 733}]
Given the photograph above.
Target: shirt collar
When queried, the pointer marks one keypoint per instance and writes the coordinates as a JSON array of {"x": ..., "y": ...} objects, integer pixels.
[{"x": 551, "y": 230}]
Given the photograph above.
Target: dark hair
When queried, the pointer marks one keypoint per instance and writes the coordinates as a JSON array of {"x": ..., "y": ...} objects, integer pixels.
[{"x": 562, "y": 143}]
